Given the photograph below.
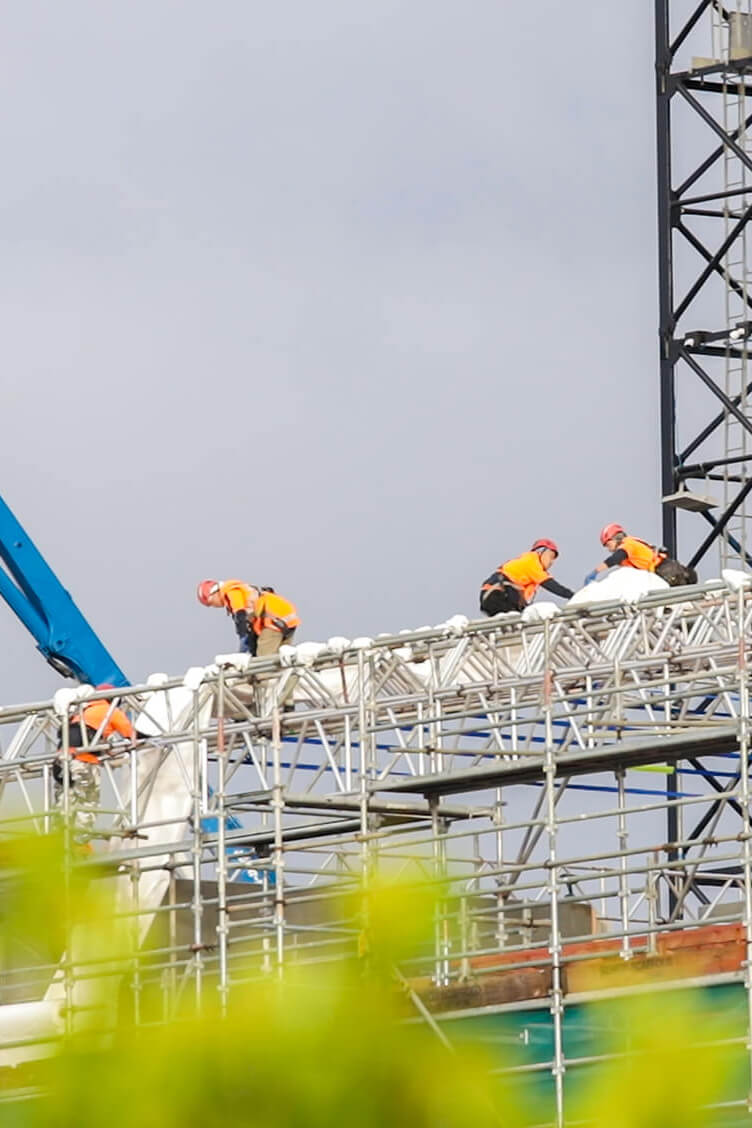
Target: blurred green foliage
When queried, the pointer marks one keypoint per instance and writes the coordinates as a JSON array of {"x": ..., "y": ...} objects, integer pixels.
[
  {"x": 672, "y": 1060},
  {"x": 329, "y": 1043}
]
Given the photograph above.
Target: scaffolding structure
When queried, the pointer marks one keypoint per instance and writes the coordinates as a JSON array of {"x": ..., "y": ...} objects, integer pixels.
[{"x": 519, "y": 764}]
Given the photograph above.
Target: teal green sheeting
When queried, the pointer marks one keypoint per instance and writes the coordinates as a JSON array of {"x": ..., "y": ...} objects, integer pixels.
[{"x": 526, "y": 1038}]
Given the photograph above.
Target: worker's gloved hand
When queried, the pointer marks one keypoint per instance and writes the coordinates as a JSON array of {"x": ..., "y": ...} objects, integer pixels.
[{"x": 590, "y": 577}]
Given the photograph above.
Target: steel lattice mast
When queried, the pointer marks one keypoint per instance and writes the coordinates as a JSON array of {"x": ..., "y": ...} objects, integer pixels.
[{"x": 704, "y": 114}]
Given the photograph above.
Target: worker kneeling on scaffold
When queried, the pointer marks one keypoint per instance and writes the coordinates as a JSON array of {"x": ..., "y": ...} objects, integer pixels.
[
  {"x": 96, "y": 723},
  {"x": 263, "y": 620},
  {"x": 513, "y": 585},
  {"x": 631, "y": 552}
]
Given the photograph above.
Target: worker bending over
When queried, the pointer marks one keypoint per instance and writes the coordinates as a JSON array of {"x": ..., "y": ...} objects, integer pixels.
[
  {"x": 97, "y": 723},
  {"x": 263, "y": 620},
  {"x": 514, "y": 584},
  {"x": 631, "y": 552}
]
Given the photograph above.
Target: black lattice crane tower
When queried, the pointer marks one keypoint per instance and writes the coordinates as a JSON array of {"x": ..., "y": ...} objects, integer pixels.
[{"x": 704, "y": 119}]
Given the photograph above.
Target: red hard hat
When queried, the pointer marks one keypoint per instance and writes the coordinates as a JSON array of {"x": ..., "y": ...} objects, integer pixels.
[
  {"x": 206, "y": 589},
  {"x": 104, "y": 685},
  {"x": 545, "y": 543},
  {"x": 609, "y": 531}
]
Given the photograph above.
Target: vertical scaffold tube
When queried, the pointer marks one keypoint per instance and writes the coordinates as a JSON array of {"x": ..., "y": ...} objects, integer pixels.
[
  {"x": 553, "y": 884},
  {"x": 364, "y": 940},
  {"x": 135, "y": 886},
  {"x": 441, "y": 923},
  {"x": 172, "y": 971},
  {"x": 363, "y": 783},
  {"x": 67, "y": 864},
  {"x": 745, "y": 835},
  {"x": 278, "y": 805},
  {"x": 621, "y": 834},
  {"x": 222, "y": 916},
  {"x": 196, "y": 903},
  {"x": 501, "y": 881}
]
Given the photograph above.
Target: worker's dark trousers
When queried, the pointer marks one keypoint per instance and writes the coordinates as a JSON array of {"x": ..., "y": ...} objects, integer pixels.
[
  {"x": 676, "y": 574},
  {"x": 83, "y": 792},
  {"x": 505, "y": 598},
  {"x": 83, "y": 781},
  {"x": 248, "y": 644}
]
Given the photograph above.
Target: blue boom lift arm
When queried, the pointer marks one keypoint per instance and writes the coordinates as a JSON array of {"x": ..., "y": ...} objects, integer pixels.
[{"x": 32, "y": 590}]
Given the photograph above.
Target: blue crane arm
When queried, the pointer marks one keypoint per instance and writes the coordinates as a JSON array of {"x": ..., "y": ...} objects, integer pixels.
[{"x": 32, "y": 590}]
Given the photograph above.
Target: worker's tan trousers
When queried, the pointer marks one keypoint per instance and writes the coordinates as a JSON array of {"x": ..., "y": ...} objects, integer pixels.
[{"x": 269, "y": 642}]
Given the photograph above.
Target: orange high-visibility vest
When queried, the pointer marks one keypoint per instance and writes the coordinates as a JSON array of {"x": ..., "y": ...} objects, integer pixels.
[
  {"x": 237, "y": 596},
  {"x": 93, "y": 716},
  {"x": 272, "y": 612},
  {"x": 526, "y": 573},
  {"x": 640, "y": 555}
]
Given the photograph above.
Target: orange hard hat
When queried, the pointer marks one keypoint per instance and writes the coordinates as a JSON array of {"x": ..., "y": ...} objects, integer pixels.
[
  {"x": 545, "y": 543},
  {"x": 609, "y": 531},
  {"x": 205, "y": 590}
]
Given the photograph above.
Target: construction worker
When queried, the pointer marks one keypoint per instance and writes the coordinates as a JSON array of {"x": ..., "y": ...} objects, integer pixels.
[
  {"x": 514, "y": 584},
  {"x": 263, "y": 620},
  {"x": 630, "y": 552},
  {"x": 96, "y": 723}
]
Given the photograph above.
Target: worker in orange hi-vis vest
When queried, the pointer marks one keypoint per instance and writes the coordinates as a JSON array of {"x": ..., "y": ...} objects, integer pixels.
[
  {"x": 514, "y": 583},
  {"x": 626, "y": 552},
  {"x": 263, "y": 620},
  {"x": 631, "y": 552},
  {"x": 93, "y": 726}
]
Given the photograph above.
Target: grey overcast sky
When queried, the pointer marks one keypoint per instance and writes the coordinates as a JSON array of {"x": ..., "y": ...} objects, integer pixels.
[{"x": 350, "y": 298}]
